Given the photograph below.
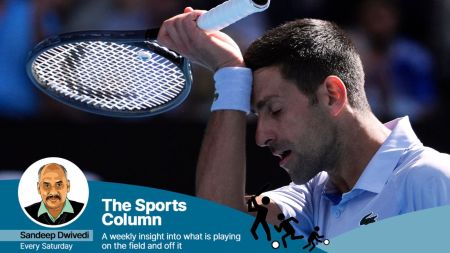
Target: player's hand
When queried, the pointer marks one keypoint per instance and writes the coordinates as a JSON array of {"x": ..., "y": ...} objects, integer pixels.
[{"x": 213, "y": 50}]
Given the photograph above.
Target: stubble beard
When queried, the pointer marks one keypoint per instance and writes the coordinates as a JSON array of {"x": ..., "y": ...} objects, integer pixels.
[{"x": 321, "y": 154}]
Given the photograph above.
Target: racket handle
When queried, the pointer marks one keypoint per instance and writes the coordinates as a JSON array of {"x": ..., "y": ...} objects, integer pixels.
[{"x": 229, "y": 12}]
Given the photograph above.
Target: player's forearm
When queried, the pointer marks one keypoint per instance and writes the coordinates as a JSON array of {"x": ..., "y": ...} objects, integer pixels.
[{"x": 221, "y": 164}]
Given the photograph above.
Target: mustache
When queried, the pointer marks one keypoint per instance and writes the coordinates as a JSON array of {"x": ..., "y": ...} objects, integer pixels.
[{"x": 53, "y": 197}]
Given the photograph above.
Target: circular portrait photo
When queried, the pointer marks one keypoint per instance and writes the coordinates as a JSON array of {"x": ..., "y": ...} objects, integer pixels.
[{"x": 53, "y": 192}]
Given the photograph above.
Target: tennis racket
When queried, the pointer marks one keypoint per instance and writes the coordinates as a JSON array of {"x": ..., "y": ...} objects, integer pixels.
[{"x": 123, "y": 73}]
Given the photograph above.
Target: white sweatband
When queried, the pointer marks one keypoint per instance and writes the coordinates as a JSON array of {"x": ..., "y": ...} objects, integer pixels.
[{"x": 233, "y": 89}]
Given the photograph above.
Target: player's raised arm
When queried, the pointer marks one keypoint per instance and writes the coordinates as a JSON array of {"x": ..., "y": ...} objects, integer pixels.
[
  {"x": 213, "y": 50},
  {"x": 221, "y": 165}
]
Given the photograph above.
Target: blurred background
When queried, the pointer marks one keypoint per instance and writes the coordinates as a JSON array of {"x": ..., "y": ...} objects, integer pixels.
[{"x": 404, "y": 45}]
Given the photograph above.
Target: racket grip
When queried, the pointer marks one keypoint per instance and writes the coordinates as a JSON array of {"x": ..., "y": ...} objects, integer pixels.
[{"x": 229, "y": 12}]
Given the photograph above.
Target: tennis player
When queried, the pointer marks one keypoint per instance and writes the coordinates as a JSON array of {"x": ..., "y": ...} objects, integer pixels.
[{"x": 305, "y": 82}]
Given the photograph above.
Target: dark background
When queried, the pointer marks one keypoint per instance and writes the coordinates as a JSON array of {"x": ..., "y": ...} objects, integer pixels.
[{"x": 162, "y": 151}]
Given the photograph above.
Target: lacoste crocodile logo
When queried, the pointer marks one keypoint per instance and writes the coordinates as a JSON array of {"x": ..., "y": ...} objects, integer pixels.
[{"x": 370, "y": 218}]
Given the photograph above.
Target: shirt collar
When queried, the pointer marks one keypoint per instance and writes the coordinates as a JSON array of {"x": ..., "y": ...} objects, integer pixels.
[
  {"x": 386, "y": 159},
  {"x": 66, "y": 209}
]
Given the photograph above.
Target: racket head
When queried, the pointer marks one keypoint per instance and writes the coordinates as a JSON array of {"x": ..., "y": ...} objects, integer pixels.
[{"x": 111, "y": 73}]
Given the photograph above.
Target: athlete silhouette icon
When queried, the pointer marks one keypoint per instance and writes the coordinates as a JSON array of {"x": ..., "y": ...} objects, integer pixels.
[
  {"x": 313, "y": 237},
  {"x": 261, "y": 215},
  {"x": 288, "y": 228}
]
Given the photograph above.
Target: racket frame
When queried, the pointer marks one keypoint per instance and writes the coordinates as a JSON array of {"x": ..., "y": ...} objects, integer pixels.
[{"x": 145, "y": 39}]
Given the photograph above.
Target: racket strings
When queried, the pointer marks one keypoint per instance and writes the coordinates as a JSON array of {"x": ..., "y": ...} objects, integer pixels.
[{"x": 109, "y": 75}]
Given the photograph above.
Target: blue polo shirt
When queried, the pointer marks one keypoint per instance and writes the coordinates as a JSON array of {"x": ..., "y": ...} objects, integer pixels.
[{"x": 403, "y": 176}]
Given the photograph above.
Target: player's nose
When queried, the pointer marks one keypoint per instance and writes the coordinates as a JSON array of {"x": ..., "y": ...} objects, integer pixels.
[{"x": 264, "y": 134}]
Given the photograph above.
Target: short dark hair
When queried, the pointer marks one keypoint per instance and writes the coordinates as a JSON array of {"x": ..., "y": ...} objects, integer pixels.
[{"x": 307, "y": 51}]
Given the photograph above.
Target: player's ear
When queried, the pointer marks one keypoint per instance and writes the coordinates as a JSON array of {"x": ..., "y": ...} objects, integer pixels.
[
  {"x": 68, "y": 185},
  {"x": 38, "y": 189},
  {"x": 332, "y": 94}
]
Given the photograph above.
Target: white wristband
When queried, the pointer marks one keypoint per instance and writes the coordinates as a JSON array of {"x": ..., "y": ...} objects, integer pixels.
[{"x": 233, "y": 89}]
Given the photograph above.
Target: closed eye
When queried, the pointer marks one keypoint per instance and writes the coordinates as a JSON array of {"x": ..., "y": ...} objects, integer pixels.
[{"x": 275, "y": 111}]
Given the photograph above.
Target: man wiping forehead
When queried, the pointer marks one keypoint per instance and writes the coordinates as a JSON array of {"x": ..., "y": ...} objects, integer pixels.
[{"x": 306, "y": 81}]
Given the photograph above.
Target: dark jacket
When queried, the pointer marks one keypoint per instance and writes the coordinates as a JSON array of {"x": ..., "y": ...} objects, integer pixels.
[{"x": 33, "y": 209}]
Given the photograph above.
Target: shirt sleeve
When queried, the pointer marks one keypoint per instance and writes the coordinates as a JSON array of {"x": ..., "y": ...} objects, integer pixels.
[
  {"x": 428, "y": 184},
  {"x": 296, "y": 201}
]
